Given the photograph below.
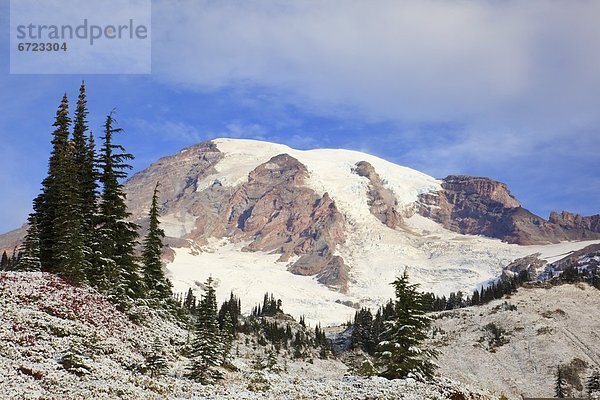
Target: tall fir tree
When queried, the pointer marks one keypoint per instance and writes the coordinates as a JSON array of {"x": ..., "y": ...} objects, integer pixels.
[
  {"x": 86, "y": 186},
  {"x": 157, "y": 284},
  {"x": 399, "y": 354},
  {"x": 45, "y": 204},
  {"x": 206, "y": 347},
  {"x": 119, "y": 275},
  {"x": 69, "y": 253}
]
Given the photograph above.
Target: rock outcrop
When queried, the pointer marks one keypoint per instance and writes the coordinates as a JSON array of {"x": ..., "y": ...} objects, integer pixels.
[
  {"x": 382, "y": 202},
  {"x": 481, "y": 206},
  {"x": 279, "y": 214},
  {"x": 575, "y": 222},
  {"x": 532, "y": 264}
]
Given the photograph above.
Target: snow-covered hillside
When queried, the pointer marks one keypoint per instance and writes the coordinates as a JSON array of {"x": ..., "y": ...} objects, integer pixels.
[
  {"x": 440, "y": 260},
  {"x": 44, "y": 321},
  {"x": 540, "y": 328}
]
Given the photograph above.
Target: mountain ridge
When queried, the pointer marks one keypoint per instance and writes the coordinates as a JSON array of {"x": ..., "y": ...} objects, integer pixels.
[{"x": 337, "y": 224}]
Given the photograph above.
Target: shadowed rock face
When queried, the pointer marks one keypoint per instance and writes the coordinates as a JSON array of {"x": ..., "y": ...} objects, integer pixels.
[
  {"x": 481, "y": 206},
  {"x": 280, "y": 215},
  {"x": 382, "y": 202}
]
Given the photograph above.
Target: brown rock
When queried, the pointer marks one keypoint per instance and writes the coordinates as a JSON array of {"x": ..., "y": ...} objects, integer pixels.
[
  {"x": 382, "y": 202},
  {"x": 481, "y": 206},
  {"x": 280, "y": 215},
  {"x": 570, "y": 221}
]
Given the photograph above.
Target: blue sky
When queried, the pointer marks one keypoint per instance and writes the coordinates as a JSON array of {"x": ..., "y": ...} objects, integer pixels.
[{"x": 509, "y": 90}]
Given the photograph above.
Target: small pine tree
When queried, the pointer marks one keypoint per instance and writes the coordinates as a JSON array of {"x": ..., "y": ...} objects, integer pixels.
[
  {"x": 4, "y": 262},
  {"x": 593, "y": 382},
  {"x": 157, "y": 285},
  {"x": 206, "y": 347},
  {"x": 227, "y": 335},
  {"x": 560, "y": 388},
  {"x": 156, "y": 361},
  {"x": 190, "y": 301},
  {"x": 399, "y": 354},
  {"x": 30, "y": 260}
]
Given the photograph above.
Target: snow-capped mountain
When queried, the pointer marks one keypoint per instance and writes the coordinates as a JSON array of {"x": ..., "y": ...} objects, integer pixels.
[{"x": 328, "y": 230}]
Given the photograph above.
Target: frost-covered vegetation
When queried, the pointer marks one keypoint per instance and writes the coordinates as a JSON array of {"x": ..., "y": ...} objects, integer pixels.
[{"x": 66, "y": 342}]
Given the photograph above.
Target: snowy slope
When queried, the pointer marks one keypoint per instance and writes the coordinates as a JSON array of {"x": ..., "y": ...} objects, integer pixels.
[
  {"x": 42, "y": 318},
  {"x": 549, "y": 327},
  {"x": 440, "y": 260}
]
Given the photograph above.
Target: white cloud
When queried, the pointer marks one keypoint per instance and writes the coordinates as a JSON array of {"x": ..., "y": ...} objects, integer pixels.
[
  {"x": 520, "y": 63},
  {"x": 164, "y": 129}
]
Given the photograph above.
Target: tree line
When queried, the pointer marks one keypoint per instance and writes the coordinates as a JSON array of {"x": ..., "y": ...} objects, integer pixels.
[{"x": 79, "y": 227}]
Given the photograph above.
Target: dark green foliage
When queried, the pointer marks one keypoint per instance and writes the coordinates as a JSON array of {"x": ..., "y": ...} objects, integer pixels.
[
  {"x": 47, "y": 202},
  {"x": 30, "y": 259},
  {"x": 233, "y": 307},
  {"x": 85, "y": 184},
  {"x": 560, "y": 387},
  {"x": 399, "y": 353},
  {"x": 496, "y": 335},
  {"x": 495, "y": 290},
  {"x": 227, "y": 335},
  {"x": 362, "y": 331},
  {"x": 4, "y": 263},
  {"x": 117, "y": 236},
  {"x": 269, "y": 307},
  {"x": 322, "y": 343},
  {"x": 206, "y": 347},
  {"x": 189, "y": 303},
  {"x": 570, "y": 275},
  {"x": 157, "y": 285}
]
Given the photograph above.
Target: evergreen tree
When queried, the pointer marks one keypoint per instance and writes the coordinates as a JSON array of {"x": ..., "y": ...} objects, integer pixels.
[
  {"x": 46, "y": 204},
  {"x": 227, "y": 335},
  {"x": 4, "y": 262},
  {"x": 85, "y": 186},
  {"x": 158, "y": 286},
  {"x": 156, "y": 361},
  {"x": 190, "y": 301},
  {"x": 206, "y": 347},
  {"x": 120, "y": 272},
  {"x": 30, "y": 260},
  {"x": 593, "y": 382},
  {"x": 399, "y": 354},
  {"x": 560, "y": 388},
  {"x": 362, "y": 331},
  {"x": 69, "y": 252}
]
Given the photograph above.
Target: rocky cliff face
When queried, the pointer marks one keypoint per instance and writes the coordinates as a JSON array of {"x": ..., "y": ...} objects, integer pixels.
[
  {"x": 278, "y": 213},
  {"x": 481, "y": 206},
  {"x": 382, "y": 202},
  {"x": 575, "y": 222}
]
